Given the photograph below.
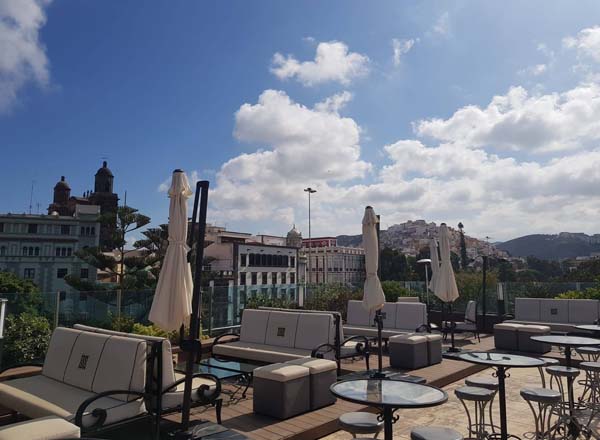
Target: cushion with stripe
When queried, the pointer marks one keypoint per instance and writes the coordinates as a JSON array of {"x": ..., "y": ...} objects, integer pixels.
[
  {"x": 83, "y": 362},
  {"x": 59, "y": 352},
  {"x": 314, "y": 329}
]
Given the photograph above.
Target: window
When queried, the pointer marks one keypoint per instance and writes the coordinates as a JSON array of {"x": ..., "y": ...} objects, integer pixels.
[
  {"x": 263, "y": 260},
  {"x": 292, "y": 278},
  {"x": 30, "y": 251},
  {"x": 243, "y": 279},
  {"x": 29, "y": 274},
  {"x": 274, "y": 278},
  {"x": 286, "y": 261},
  {"x": 25, "y": 251},
  {"x": 254, "y": 277},
  {"x": 243, "y": 259},
  {"x": 69, "y": 252},
  {"x": 293, "y": 261},
  {"x": 32, "y": 228},
  {"x": 65, "y": 229},
  {"x": 57, "y": 252},
  {"x": 270, "y": 260},
  {"x": 3, "y": 250},
  {"x": 82, "y": 231},
  {"x": 63, "y": 252},
  {"x": 252, "y": 258},
  {"x": 283, "y": 278},
  {"x": 265, "y": 278},
  {"x": 84, "y": 273},
  {"x": 61, "y": 273},
  {"x": 93, "y": 230},
  {"x": 1, "y": 227}
]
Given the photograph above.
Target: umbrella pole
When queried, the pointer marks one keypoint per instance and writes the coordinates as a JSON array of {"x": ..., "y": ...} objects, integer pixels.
[
  {"x": 452, "y": 348},
  {"x": 193, "y": 345},
  {"x": 379, "y": 321}
]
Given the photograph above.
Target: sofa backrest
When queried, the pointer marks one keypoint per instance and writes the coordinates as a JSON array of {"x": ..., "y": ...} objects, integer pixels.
[
  {"x": 408, "y": 299},
  {"x": 410, "y": 316},
  {"x": 358, "y": 315},
  {"x": 388, "y": 313},
  {"x": 527, "y": 309},
  {"x": 168, "y": 371},
  {"x": 471, "y": 311},
  {"x": 96, "y": 362},
  {"x": 292, "y": 328},
  {"x": 583, "y": 311}
]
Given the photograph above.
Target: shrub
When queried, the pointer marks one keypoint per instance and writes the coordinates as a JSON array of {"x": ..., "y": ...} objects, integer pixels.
[
  {"x": 122, "y": 324},
  {"x": 331, "y": 297},
  {"x": 26, "y": 340},
  {"x": 256, "y": 301},
  {"x": 393, "y": 290},
  {"x": 591, "y": 293}
]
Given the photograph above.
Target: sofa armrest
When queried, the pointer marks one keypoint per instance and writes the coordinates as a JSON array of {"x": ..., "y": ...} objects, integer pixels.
[
  {"x": 202, "y": 388},
  {"x": 218, "y": 340},
  {"x": 318, "y": 351},
  {"x": 27, "y": 364},
  {"x": 361, "y": 347},
  {"x": 100, "y": 413}
]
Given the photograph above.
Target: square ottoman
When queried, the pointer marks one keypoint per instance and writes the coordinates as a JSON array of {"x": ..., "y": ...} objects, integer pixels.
[
  {"x": 323, "y": 374},
  {"x": 281, "y": 391},
  {"x": 526, "y": 344},
  {"x": 505, "y": 336},
  {"x": 408, "y": 351},
  {"x": 434, "y": 348},
  {"x": 44, "y": 428}
]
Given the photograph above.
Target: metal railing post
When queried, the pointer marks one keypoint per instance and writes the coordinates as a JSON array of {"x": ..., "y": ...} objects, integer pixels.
[{"x": 57, "y": 309}]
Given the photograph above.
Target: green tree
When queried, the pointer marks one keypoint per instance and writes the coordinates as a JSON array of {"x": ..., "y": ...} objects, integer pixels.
[
  {"x": 506, "y": 272},
  {"x": 586, "y": 271},
  {"x": 393, "y": 290},
  {"x": 464, "y": 259},
  {"x": 27, "y": 337},
  {"x": 27, "y": 296},
  {"x": 548, "y": 270},
  {"x": 131, "y": 271},
  {"x": 153, "y": 247}
]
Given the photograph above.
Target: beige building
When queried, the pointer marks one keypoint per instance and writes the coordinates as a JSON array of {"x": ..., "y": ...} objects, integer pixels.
[{"x": 329, "y": 263}]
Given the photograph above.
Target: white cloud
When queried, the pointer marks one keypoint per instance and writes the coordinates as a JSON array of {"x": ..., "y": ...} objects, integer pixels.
[
  {"x": 586, "y": 43},
  {"x": 401, "y": 47},
  {"x": 22, "y": 56},
  {"x": 333, "y": 62},
  {"x": 441, "y": 27},
  {"x": 520, "y": 121},
  {"x": 535, "y": 70},
  {"x": 333, "y": 104}
]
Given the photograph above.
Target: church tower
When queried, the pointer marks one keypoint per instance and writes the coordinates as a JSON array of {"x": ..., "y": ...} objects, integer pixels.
[
  {"x": 62, "y": 193},
  {"x": 108, "y": 201}
]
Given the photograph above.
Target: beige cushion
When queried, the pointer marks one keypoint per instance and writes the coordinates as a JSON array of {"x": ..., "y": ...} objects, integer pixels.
[
  {"x": 44, "y": 428},
  {"x": 554, "y": 310},
  {"x": 372, "y": 331},
  {"x": 281, "y": 372},
  {"x": 254, "y": 326},
  {"x": 408, "y": 339},
  {"x": 41, "y": 396},
  {"x": 410, "y": 316},
  {"x": 535, "y": 329},
  {"x": 432, "y": 336},
  {"x": 583, "y": 311},
  {"x": 281, "y": 329},
  {"x": 507, "y": 326},
  {"x": 408, "y": 299},
  {"x": 314, "y": 329},
  {"x": 122, "y": 366},
  {"x": 168, "y": 372},
  {"x": 259, "y": 352},
  {"x": 358, "y": 315},
  {"x": 389, "y": 315},
  {"x": 85, "y": 355},
  {"x": 59, "y": 352},
  {"x": 314, "y": 365},
  {"x": 174, "y": 397}
]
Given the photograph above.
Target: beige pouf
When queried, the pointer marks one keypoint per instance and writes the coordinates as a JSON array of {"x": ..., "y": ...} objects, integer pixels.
[
  {"x": 434, "y": 348},
  {"x": 323, "y": 374},
  {"x": 506, "y": 337},
  {"x": 408, "y": 351},
  {"x": 527, "y": 344},
  {"x": 44, "y": 428},
  {"x": 281, "y": 390}
]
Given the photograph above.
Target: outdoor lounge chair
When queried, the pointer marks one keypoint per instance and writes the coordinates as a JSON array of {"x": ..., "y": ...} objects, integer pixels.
[
  {"x": 469, "y": 325},
  {"x": 206, "y": 388},
  {"x": 278, "y": 335}
]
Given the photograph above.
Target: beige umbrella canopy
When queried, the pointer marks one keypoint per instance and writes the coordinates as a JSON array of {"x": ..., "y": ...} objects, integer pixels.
[
  {"x": 373, "y": 296},
  {"x": 172, "y": 303},
  {"x": 435, "y": 262},
  {"x": 445, "y": 284}
]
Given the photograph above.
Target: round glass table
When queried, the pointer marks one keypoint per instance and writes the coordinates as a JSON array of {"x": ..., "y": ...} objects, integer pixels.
[
  {"x": 568, "y": 342},
  {"x": 501, "y": 362},
  {"x": 389, "y": 396},
  {"x": 594, "y": 328}
]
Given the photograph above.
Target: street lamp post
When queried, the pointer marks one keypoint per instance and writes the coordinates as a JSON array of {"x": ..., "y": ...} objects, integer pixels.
[
  {"x": 310, "y": 191},
  {"x": 425, "y": 262}
]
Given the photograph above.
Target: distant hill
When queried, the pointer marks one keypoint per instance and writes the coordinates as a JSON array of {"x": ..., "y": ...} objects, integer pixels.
[
  {"x": 349, "y": 240},
  {"x": 552, "y": 247}
]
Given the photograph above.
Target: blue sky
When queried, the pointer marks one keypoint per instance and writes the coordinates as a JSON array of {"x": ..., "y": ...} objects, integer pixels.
[{"x": 417, "y": 133}]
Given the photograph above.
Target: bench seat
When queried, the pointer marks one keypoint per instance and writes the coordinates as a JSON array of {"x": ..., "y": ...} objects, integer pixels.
[
  {"x": 41, "y": 396},
  {"x": 554, "y": 326},
  {"x": 369, "y": 331},
  {"x": 259, "y": 352},
  {"x": 44, "y": 428}
]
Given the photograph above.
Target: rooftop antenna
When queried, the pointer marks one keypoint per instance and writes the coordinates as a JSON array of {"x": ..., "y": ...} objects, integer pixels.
[
  {"x": 38, "y": 207},
  {"x": 125, "y": 199},
  {"x": 31, "y": 197}
]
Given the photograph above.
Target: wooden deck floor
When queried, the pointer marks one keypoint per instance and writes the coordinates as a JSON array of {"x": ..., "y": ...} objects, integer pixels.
[{"x": 239, "y": 415}]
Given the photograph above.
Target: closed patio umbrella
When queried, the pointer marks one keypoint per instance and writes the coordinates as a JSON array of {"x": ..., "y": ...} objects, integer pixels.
[
  {"x": 373, "y": 296},
  {"x": 445, "y": 283},
  {"x": 435, "y": 262},
  {"x": 172, "y": 303}
]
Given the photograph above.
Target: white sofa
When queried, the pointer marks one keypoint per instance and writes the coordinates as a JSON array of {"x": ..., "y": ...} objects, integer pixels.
[
  {"x": 92, "y": 380},
  {"x": 561, "y": 315},
  {"x": 273, "y": 335},
  {"x": 398, "y": 318},
  {"x": 206, "y": 388},
  {"x": 44, "y": 428}
]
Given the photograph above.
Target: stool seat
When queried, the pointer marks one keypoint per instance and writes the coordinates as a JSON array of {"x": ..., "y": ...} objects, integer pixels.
[
  {"x": 588, "y": 350},
  {"x": 482, "y": 382},
  {"x": 549, "y": 361},
  {"x": 541, "y": 395},
  {"x": 560, "y": 370},
  {"x": 589, "y": 366},
  {"x": 360, "y": 423},
  {"x": 476, "y": 394},
  {"x": 435, "y": 433}
]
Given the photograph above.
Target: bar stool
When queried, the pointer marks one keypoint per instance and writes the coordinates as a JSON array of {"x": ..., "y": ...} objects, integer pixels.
[
  {"x": 360, "y": 423},
  {"x": 589, "y": 353},
  {"x": 434, "y": 433},
  {"x": 590, "y": 396},
  {"x": 548, "y": 404},
  {"x": 547, "y": 362},
  {"x": 480, "y": 398},
  {"x": 488, "y": 384}
]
